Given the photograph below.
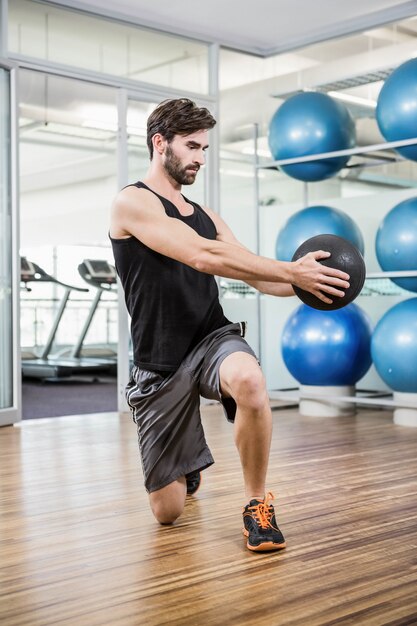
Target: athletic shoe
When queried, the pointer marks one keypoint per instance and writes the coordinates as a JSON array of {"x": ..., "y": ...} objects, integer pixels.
[
  {"x": 260, "y": 526},
  {"x": 193, "y": 480}
]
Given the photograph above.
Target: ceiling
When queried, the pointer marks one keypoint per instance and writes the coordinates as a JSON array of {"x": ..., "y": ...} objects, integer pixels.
[
  {"x": 68, "y": 126},
  {"x": 264, "y": 27},
  {"x": 355, "y": 65}
]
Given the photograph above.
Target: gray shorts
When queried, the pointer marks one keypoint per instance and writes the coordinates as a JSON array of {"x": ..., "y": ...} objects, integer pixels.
[{"x": 166, "y": 408}]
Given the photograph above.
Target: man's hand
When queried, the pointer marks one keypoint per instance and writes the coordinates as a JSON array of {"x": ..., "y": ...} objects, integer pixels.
[{"x": 317, "y": 278}]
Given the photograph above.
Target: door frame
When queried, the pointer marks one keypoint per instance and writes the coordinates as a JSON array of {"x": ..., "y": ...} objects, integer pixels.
[{"x": 13, "y": 414}]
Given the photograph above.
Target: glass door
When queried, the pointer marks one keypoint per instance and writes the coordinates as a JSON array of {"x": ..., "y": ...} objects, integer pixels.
[
  {"x": 67, "y": 180},
  {"x": 10, "y": 394}
]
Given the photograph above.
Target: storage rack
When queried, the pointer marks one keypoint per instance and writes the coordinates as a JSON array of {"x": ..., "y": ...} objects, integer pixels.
[{"x": 373, "y": 156}]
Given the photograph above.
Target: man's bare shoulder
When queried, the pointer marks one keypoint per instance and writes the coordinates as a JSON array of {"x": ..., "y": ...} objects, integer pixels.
[
  {"x": 139, "y": 196},
  {"x": 130, "y": 205}
]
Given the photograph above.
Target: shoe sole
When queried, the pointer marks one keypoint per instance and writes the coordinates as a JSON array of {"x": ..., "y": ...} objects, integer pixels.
[
  {"x": 198, "y": 487},
  {"x": 267, "y": 546}
]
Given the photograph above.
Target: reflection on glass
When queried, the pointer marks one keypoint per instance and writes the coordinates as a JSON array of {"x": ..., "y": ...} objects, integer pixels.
[
  {"x": 63, "y": 36},
  {"x": 138, "y": 154},
  {"x": 68, "y": 179},
  {"x": 68, "y": 167},
  {"x": 39, "y": 305},
  {"x": 6, "y": 321}
]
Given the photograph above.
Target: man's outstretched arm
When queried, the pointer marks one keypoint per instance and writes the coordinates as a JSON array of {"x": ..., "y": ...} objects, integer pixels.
[
  {"x": 269, "y": 288},
  {"x": 139, "y": 212}
]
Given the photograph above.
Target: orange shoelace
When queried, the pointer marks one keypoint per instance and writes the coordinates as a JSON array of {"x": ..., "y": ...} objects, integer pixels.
[{"x": 262, "y": 512}]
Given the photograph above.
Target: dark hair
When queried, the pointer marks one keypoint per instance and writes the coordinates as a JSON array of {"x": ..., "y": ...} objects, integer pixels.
[{"x": 177, "y": 117}]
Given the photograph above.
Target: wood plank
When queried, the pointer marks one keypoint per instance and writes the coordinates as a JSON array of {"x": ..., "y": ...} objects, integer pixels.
[{"x": 80, "y": 546}]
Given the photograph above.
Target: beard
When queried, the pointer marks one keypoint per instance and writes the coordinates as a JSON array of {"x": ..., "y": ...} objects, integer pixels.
[{"x": 177, "y": 171}]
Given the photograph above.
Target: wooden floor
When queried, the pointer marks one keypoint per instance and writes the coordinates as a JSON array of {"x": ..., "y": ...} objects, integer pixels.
[{"x": 80, "y": 547}]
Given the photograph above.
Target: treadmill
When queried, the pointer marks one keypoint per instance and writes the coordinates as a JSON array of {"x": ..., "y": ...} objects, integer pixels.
[
  {"x": 102, "y": 276},
  {"x": 55, "y": 367}
]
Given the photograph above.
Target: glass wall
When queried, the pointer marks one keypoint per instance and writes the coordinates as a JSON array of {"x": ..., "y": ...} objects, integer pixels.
[
  {"x": 68, "y": 179},
  {"x": 7, "y": 399},
  {"x": 74, "y": 39},
  {"x": 138, "y": 155}
]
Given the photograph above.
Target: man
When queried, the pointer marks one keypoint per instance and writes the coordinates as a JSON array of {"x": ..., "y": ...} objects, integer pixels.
[{"x": 167, "y": 250}]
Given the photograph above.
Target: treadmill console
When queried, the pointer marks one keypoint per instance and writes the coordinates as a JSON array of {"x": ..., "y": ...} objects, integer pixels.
[
  {"x": 27, "y": 270},
  {"x": 98, "y": 272}
]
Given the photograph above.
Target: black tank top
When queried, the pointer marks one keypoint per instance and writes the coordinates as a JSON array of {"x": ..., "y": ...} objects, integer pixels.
[{"x": 172, "y": 306}]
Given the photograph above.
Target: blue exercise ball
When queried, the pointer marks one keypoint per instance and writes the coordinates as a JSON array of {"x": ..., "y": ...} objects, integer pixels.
[
  {"x": 327, "y": 348},
  {"x": 312, "y": 221},
  {"x": 396, "y": 111},
  {"x": 396, "y": 242},
  {"x": 311, "y": 123},
  {"x": 394, "y": 347}
]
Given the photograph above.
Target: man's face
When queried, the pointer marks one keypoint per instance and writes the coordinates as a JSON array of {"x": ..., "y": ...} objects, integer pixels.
[{"x": 184, "y": 156}]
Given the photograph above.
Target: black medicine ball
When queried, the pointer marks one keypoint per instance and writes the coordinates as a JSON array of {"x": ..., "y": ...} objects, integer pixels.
[{"x": 345, "y": 257}]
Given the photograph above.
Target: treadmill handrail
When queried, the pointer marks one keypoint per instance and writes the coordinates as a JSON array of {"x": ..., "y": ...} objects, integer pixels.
[{"x": 47, "y": 278}]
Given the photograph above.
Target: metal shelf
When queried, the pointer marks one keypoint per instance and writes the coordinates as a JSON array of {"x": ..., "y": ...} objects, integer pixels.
[
  {"x": 374, "y": 399},
  {"x": 360, "y": 150},
  {"x": 375, "y": 151},
  {"x": 399, "y": 274}
]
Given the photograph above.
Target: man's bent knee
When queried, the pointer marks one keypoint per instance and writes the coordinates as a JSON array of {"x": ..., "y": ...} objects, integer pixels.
[
  {"x": 167, "y": 503},
  {"x": 166, "y": 515},
  {"x": 242, "y": 378},
  {"x": 249, "y": 382}
]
